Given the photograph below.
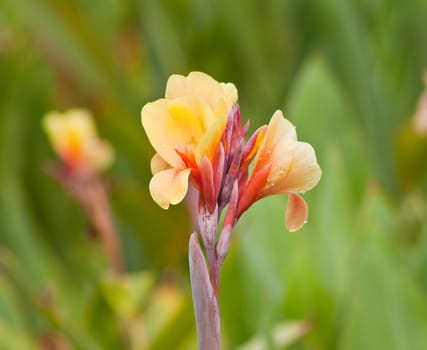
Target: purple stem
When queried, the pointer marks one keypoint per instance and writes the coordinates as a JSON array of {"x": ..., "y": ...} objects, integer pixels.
[{"x": 205, "y": 302}]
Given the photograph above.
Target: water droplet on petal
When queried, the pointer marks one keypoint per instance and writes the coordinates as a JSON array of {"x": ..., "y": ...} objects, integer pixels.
[{"x": 305, "y": 221}]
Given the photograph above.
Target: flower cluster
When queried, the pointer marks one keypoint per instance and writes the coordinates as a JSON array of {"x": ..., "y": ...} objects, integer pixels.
[{"x": 198, "y": 135}]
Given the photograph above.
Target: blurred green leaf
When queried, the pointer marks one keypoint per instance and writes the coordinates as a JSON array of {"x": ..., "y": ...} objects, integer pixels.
[
  {"x": 386, "y": 308},
  {"x": 127, "y": 293},
  {"x": 283, "y": 334},
  {"x": 13, "y": 339},
  {"x": 323, "y": 117}
]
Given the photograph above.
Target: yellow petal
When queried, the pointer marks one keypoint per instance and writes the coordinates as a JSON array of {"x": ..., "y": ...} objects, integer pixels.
[
  {"x": 176, "y": 86},
  {"x": 158, "y": 164},
  {"x": 98, "y": 154},
  {"x": 153, "y": 116},
  {"x": 304, "y": 172},
  {"x": 185, "y": 122},
  {"x": 210, "y": 139},
  {"x": 227, "y": 99},
  {"x": 169, "y": 186},
  {"x": 60, "y": 127},
  {"x": 70, "y": 133},
  {"x": 277, "y": 147},
  {"x": 197, "y": 84},
  {"x": 219, "y": 96},
  {"x": 296, "y": 213},
  {"x": 175, "y": 124}
]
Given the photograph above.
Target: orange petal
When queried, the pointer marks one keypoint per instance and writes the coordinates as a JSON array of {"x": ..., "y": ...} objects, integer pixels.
[
  {"x": 208, "y": 186},
  {"x": 251, "y": 192},
  {"x": 169, "y": 186},
  {"x": 253, "y": 144},
  {"x": 296, "y": 213}
]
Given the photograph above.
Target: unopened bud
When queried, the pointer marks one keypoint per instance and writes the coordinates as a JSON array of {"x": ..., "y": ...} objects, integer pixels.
[
  {"x": 230, "y": 216},
  {"x": 245, "y": 128},
  {"x": 236, "y": 159},
  {"x": 224, "y": 243},
  {"x": 208, "y": 186},
  {"x": 208, "y": 223},
  {"x": 229, "y": 127},
  {"x": 227, "y": 187},
  {"x": 218, "y": 166}
]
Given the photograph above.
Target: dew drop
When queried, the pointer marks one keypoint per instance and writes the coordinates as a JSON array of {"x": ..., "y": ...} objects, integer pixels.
[{"x": 305, "y": 221}]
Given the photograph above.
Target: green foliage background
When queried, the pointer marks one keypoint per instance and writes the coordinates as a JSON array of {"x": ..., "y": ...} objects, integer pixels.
[{"x": 346, "y": 73}]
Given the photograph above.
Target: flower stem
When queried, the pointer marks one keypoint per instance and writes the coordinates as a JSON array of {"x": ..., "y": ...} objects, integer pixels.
[
  {"x": 214, "y": 271},
  {"x": 205, "y": 302},
  {"x": 89, "y": 191},
  {"x": 101, "y": 217}
]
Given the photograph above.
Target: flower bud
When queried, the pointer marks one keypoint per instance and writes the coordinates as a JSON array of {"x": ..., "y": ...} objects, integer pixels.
[{"x": 224, "y": 243}]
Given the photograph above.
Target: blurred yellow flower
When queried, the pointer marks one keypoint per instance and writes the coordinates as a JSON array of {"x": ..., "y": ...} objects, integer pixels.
[
  {"x": 74, "y": 138},
  {"x": 283, "y": 165},
  {"x": 183, "y": 127}
]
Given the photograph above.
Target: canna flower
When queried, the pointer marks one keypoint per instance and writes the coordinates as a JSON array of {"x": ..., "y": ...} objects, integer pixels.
[
  {"x": 198, "y": 135},
  {"x": 185, "y": 128},
  {"x": 283, "y": 165},
  {"x": 84, "y": 155},
  {"x": 74, "y": 138}
]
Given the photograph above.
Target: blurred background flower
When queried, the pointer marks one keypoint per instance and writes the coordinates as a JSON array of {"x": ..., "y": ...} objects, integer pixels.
[
  {"x": 347, "y": 74},
  {"x": 74, "y": 138}
]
